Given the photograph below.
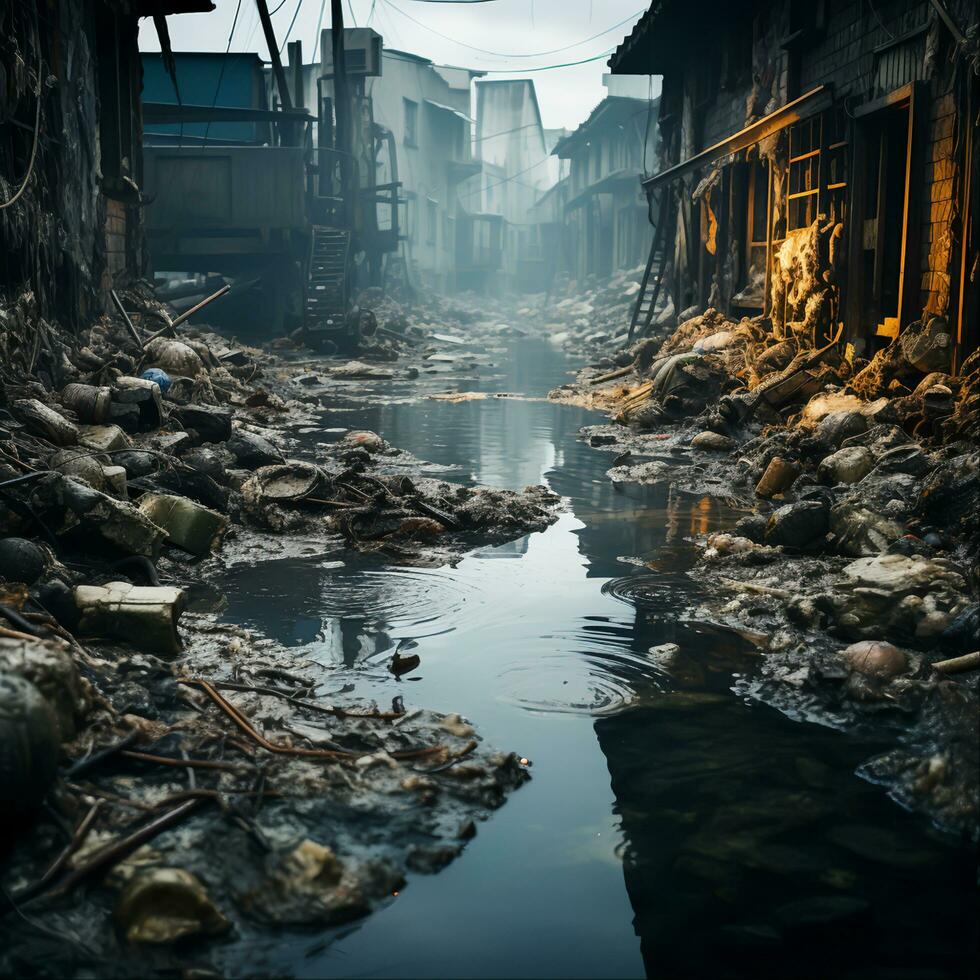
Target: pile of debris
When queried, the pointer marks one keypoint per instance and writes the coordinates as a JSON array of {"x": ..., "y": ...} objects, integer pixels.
[
  {"x": 594, "y": 314},
  {"x": 137, "y": 731},
  {"x": 862, "y": 479}
]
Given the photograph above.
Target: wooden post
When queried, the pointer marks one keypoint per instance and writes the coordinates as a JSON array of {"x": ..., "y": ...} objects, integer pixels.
[
  {"x": 295, "y": 52},
  {"x": 342, "y": 106},
  {"x": 286, "y": 132}
]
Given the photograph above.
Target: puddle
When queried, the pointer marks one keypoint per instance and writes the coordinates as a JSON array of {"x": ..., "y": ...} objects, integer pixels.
[{"x": 670, "y": 828}]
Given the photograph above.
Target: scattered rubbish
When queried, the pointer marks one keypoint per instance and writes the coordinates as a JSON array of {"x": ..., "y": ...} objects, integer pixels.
[
  {"x": 876, "y": 658},
  {"x": 164, "y": 905},
  {"x": 29, "y": 761},
  {"x": 145, "y": 616},
  {"x": 159, "y": 377},
  {"x": 187, "y": 524},
  {"x": 45, "y": 421},
  {"x": 21, "y": 560}
]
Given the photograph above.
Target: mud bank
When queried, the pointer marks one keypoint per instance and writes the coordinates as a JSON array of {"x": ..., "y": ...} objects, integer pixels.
[
  {"x": 174, "y": 778},
  {"x": 855, "y": 563}
]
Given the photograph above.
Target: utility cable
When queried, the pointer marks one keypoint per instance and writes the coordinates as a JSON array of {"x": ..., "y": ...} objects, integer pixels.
[
  {"x": 519, "y": 71},
  {"x": 221, "y": 73},
  {"x": 316, "y": 37},
  {"x": 507, "y": 180},
  {"x": 289, "y": 30},
  {"x": 501, "y": 54},
  {"x": 37, "y": 133},
  {"x": 37, "y": 118}
]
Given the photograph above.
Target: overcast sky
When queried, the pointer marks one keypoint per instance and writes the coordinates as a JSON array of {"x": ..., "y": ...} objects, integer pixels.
[{"x": 506, "y": 27}]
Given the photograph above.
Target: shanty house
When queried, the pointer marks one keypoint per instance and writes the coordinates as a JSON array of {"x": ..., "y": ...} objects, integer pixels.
[
  {"x": 819, "y": 162},
  {"x": 516, "y": 169},
  {"x": 606, "y": 214},
  {"x": 71, "y": 220}
]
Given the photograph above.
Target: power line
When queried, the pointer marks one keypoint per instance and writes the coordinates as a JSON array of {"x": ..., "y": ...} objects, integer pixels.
[
  {"x": 316, "y": 38},
  {"x": 501, "y": 54},
  {"x": 221, "y": 73},
  {"x": 507, "y": 180},
  {"x": 289, "y": 30},
  {"x": 390, "y": 53},
  {"x": 564, "y": 64}
]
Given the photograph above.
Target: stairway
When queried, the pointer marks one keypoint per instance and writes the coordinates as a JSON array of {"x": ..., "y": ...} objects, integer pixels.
[
  {"x": 646, "y": 298},
  {"x": 326, "y": 284},
  {"x": 653, "y": 275}
]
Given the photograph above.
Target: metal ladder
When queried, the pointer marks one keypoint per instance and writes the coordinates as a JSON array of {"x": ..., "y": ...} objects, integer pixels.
[
  {"x": 653, "y": 276},
  {"x": 326, "y": 284}
]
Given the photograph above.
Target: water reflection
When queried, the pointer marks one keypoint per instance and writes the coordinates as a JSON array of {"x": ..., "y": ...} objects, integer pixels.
[{"x": 669, "y": 829}]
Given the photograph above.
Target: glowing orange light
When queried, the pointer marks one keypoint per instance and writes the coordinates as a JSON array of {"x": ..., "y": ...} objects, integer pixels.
[
  {"x": 525, "y": 762},
  {"x": 394, "y": 894}
]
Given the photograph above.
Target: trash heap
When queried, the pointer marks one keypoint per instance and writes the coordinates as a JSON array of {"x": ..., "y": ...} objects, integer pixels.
[
  {"x": 858, "y": 554},
  {"x": 588, "y": 317},
  {"x": 164, "y": 776}
]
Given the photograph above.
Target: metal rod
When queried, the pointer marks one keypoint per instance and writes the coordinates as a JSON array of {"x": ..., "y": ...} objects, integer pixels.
[{"x": 125, "y": 316}]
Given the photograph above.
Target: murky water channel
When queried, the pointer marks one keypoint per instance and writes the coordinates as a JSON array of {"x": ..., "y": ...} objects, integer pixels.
[{"x": 670, "y": 829}]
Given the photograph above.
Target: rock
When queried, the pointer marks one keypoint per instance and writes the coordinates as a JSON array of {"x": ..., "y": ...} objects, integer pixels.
[
  {"x": 162, "y": 905},
  {"x": 187, "y": 524},
  {"x": 173, "y": 357},
  {"x": 846, "y": 465},
  {"x": 876, "y": 658},
  {"x": 206, "y": 461},
  {"x": 753, "y": 527},
  {"x": 137, "y": 463},
  {"x": 210, "y": 423},
  {"x": 963, "y": 631},
  {"x": 797, "y": 525},
  {"x": 835, "y": 427},
  {"x": 370, "y": 441},
  {"x": 860, "y": 532},
  {"x": 779, "y": 476},
  {"x": 30, "y": 748},
  {"x": 45, "y": 422},
  {"x": 49, "y": 666},
  {"x": 713, "y": 441},
  {"x": 146, "y": 616},
  {"x": 252, "y": 451},
  {"x": 102, "y": 438},
  {"x": 899, "y": 598},
  {"x": 309, "y": 885},
  {"x": 950, "y": 495},
  {"x": 21, "y": 561}
]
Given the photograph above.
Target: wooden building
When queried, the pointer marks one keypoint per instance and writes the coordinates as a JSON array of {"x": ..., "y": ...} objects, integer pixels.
[{"x": 819, "y": 163}]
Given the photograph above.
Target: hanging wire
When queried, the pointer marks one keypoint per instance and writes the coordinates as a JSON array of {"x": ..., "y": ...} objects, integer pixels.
[
  {"x": 37, "y": 119},
  {"x": 501, "y": 54},
  {"x": 221, "y": 73},
  {"x": 289, "y": 30}
]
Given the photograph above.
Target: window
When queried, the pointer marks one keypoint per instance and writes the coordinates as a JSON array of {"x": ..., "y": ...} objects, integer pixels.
[
  {"x": 411, "y": 122},
  {"x": 432, "y": 221},
  {"x": 756, "y": 227},
  {"x": 817, "y": 170}
]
